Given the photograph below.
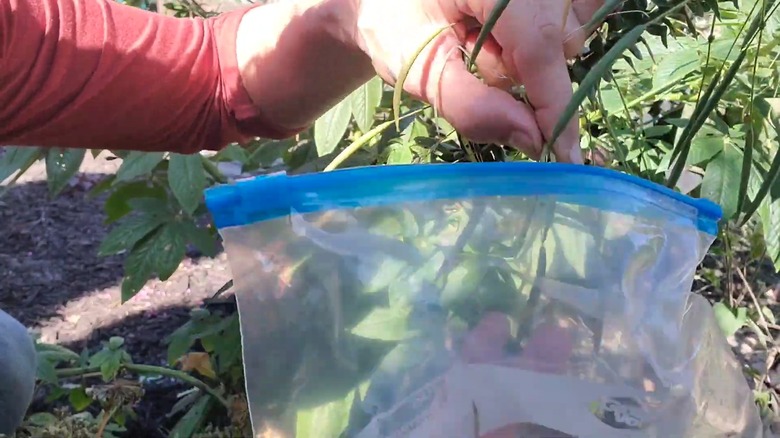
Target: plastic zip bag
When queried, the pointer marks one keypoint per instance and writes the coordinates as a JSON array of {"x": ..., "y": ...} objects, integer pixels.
[{"x": 475, "y": 300}]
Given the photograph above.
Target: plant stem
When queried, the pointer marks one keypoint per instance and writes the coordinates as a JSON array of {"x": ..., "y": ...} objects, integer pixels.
[
  {"x": 363, "y": 139},
  {"x": 213, "y": 170},
  {"x": 149, "y": 369}
]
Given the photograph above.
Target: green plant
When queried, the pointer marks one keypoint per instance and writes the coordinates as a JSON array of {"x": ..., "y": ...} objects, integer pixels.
[{"x": 683, "y": 93}]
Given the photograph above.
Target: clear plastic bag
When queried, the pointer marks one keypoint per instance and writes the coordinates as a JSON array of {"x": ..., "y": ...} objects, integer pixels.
[{"x": 477, "y": 300}]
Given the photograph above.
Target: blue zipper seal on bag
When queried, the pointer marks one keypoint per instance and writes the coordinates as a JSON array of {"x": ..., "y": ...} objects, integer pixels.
[{"x": 274, "y": 196}]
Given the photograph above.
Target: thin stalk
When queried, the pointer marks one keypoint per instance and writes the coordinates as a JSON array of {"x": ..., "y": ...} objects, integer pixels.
[
  {"x": 365, "y": 138},
  {"x": 149, "y": 369}
]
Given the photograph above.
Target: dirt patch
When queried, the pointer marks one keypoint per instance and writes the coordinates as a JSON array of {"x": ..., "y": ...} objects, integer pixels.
[{"x": 55, "y": 283}]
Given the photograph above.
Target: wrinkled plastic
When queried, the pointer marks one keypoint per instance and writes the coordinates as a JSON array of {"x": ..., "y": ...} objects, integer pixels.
[{"x": 477, "y": 300}]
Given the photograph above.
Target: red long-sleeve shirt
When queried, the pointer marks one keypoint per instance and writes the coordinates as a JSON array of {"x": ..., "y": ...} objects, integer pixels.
[{"x": 99, "y": 74}]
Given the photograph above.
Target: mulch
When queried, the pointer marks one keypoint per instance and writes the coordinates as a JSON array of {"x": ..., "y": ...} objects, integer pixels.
[{"x": 54, "y": 282}]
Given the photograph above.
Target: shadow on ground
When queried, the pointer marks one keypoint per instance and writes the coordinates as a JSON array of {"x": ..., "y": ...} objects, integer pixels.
[{"x": 53, "y": 281}]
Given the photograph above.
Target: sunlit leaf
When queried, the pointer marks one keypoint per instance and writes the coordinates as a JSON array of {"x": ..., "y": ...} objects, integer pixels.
[
  {"x": 675, "y": 66},
  {"x": 384, "y": 323},
  {"x": 330, "y": 419},
  {"x": 721, "y": 180},
  {"x": 61, "y": 165},
  {"x": 364, "y": 102},
  {"x": 728, "y": 319},
  {"x": 187, "y": 180},
  {"x": 330, "y": 128},
  {"x": 137, "y": 164}
]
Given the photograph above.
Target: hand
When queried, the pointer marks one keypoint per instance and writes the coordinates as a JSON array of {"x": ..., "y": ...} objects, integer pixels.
[
  {"x": 548, "y": 350},
  {"x": 530, "y": 46}
]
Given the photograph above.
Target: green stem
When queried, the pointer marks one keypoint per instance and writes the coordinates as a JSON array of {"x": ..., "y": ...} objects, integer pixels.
[
  {"x": 149, "y": 369},
  {"x": 213, "y": 170},
  {"x": 363, "y": 139}
]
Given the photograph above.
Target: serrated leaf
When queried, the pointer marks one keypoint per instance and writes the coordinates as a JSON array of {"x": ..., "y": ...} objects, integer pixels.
[
  {"x": 187, "y": 180},
  {"x": 200, "y": 237},
  {"x": 721, "y": 180},
  {"x": 729, "y": 320},
  {"x": 118, "y": 205},
  {"x": 137, "y": 164},
  {"x": 15, "y": 158},
  {"x": 329, "y": 129},
  {"x": 159, "y": 252},
  {"x": 675, "y": 66},
  {"x": 79, "y": 399},
  {"x": 128, "y": 233},
  {"x": 364, "y": 102},
  {"x": 384, "y": 323},
  {"x": 61, "y": 165}
]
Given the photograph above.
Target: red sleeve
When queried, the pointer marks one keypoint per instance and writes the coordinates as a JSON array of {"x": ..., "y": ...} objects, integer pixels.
[{"x": 99, "y": 74}]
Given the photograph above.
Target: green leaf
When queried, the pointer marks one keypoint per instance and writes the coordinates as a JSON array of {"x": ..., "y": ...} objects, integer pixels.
[
  {"x": 61, "y": 165},
  {"x": 15, "y": 158},
  {"x": 721, "y": 180},
  {"x": 187, "y": 180},
  {"x": 128, "y": 233},
  {"x": 43, "y": 419},
  {"x": 200, "y": 237},
  {"x": 328, "y": 420},
  {"x": 46, "y": 372},
  {"x": 110, "y": 366},
  {"x": 384, "y": 323},
  {"x": 137, "y": 164},
  {"x": 364, "y": 102},
  {"x": 704, "y": 148},
  {"x": 117, "y": 204},
  {"x": 400, "y": 154},
  {"x": 79, "y": 399},
  {"x": 329, "y": 129},
  {"x": 769, "y": 213},
  {"x": 729, "y": 320},
  {"x": 193, "y": 420},
  {"x": 675, "y": 66},
  {"x": 160, "y": 252}
]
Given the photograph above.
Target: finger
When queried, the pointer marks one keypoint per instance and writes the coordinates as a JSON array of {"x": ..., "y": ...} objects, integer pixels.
[
  {"x": 532, "y": 38},
  {"x": 486, "y": 342},
  {"x": 479, "y": 112},
  {"x": 550, "y": 347},
  {"x": 586, "y": 9},
  {"x": 489, "y": 62},
  {"x": 575, "y": 33}
]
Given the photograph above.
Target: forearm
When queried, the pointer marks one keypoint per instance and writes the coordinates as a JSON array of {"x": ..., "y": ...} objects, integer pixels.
[
  {"x": 98, "y": 74},
  {"x": 298, "y": 58}
]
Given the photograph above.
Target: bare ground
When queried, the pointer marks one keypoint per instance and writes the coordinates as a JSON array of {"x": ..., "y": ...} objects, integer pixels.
[{"x": 54, "y": 282}]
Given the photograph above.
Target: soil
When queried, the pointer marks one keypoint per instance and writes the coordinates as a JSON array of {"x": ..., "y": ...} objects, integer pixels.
[{"x": 54, "y": 282}]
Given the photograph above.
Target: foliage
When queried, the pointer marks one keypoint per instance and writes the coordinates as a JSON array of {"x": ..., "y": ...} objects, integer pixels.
[
  {"x": 96, "y": 393},
  {"x": 683, "y": 93}
]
